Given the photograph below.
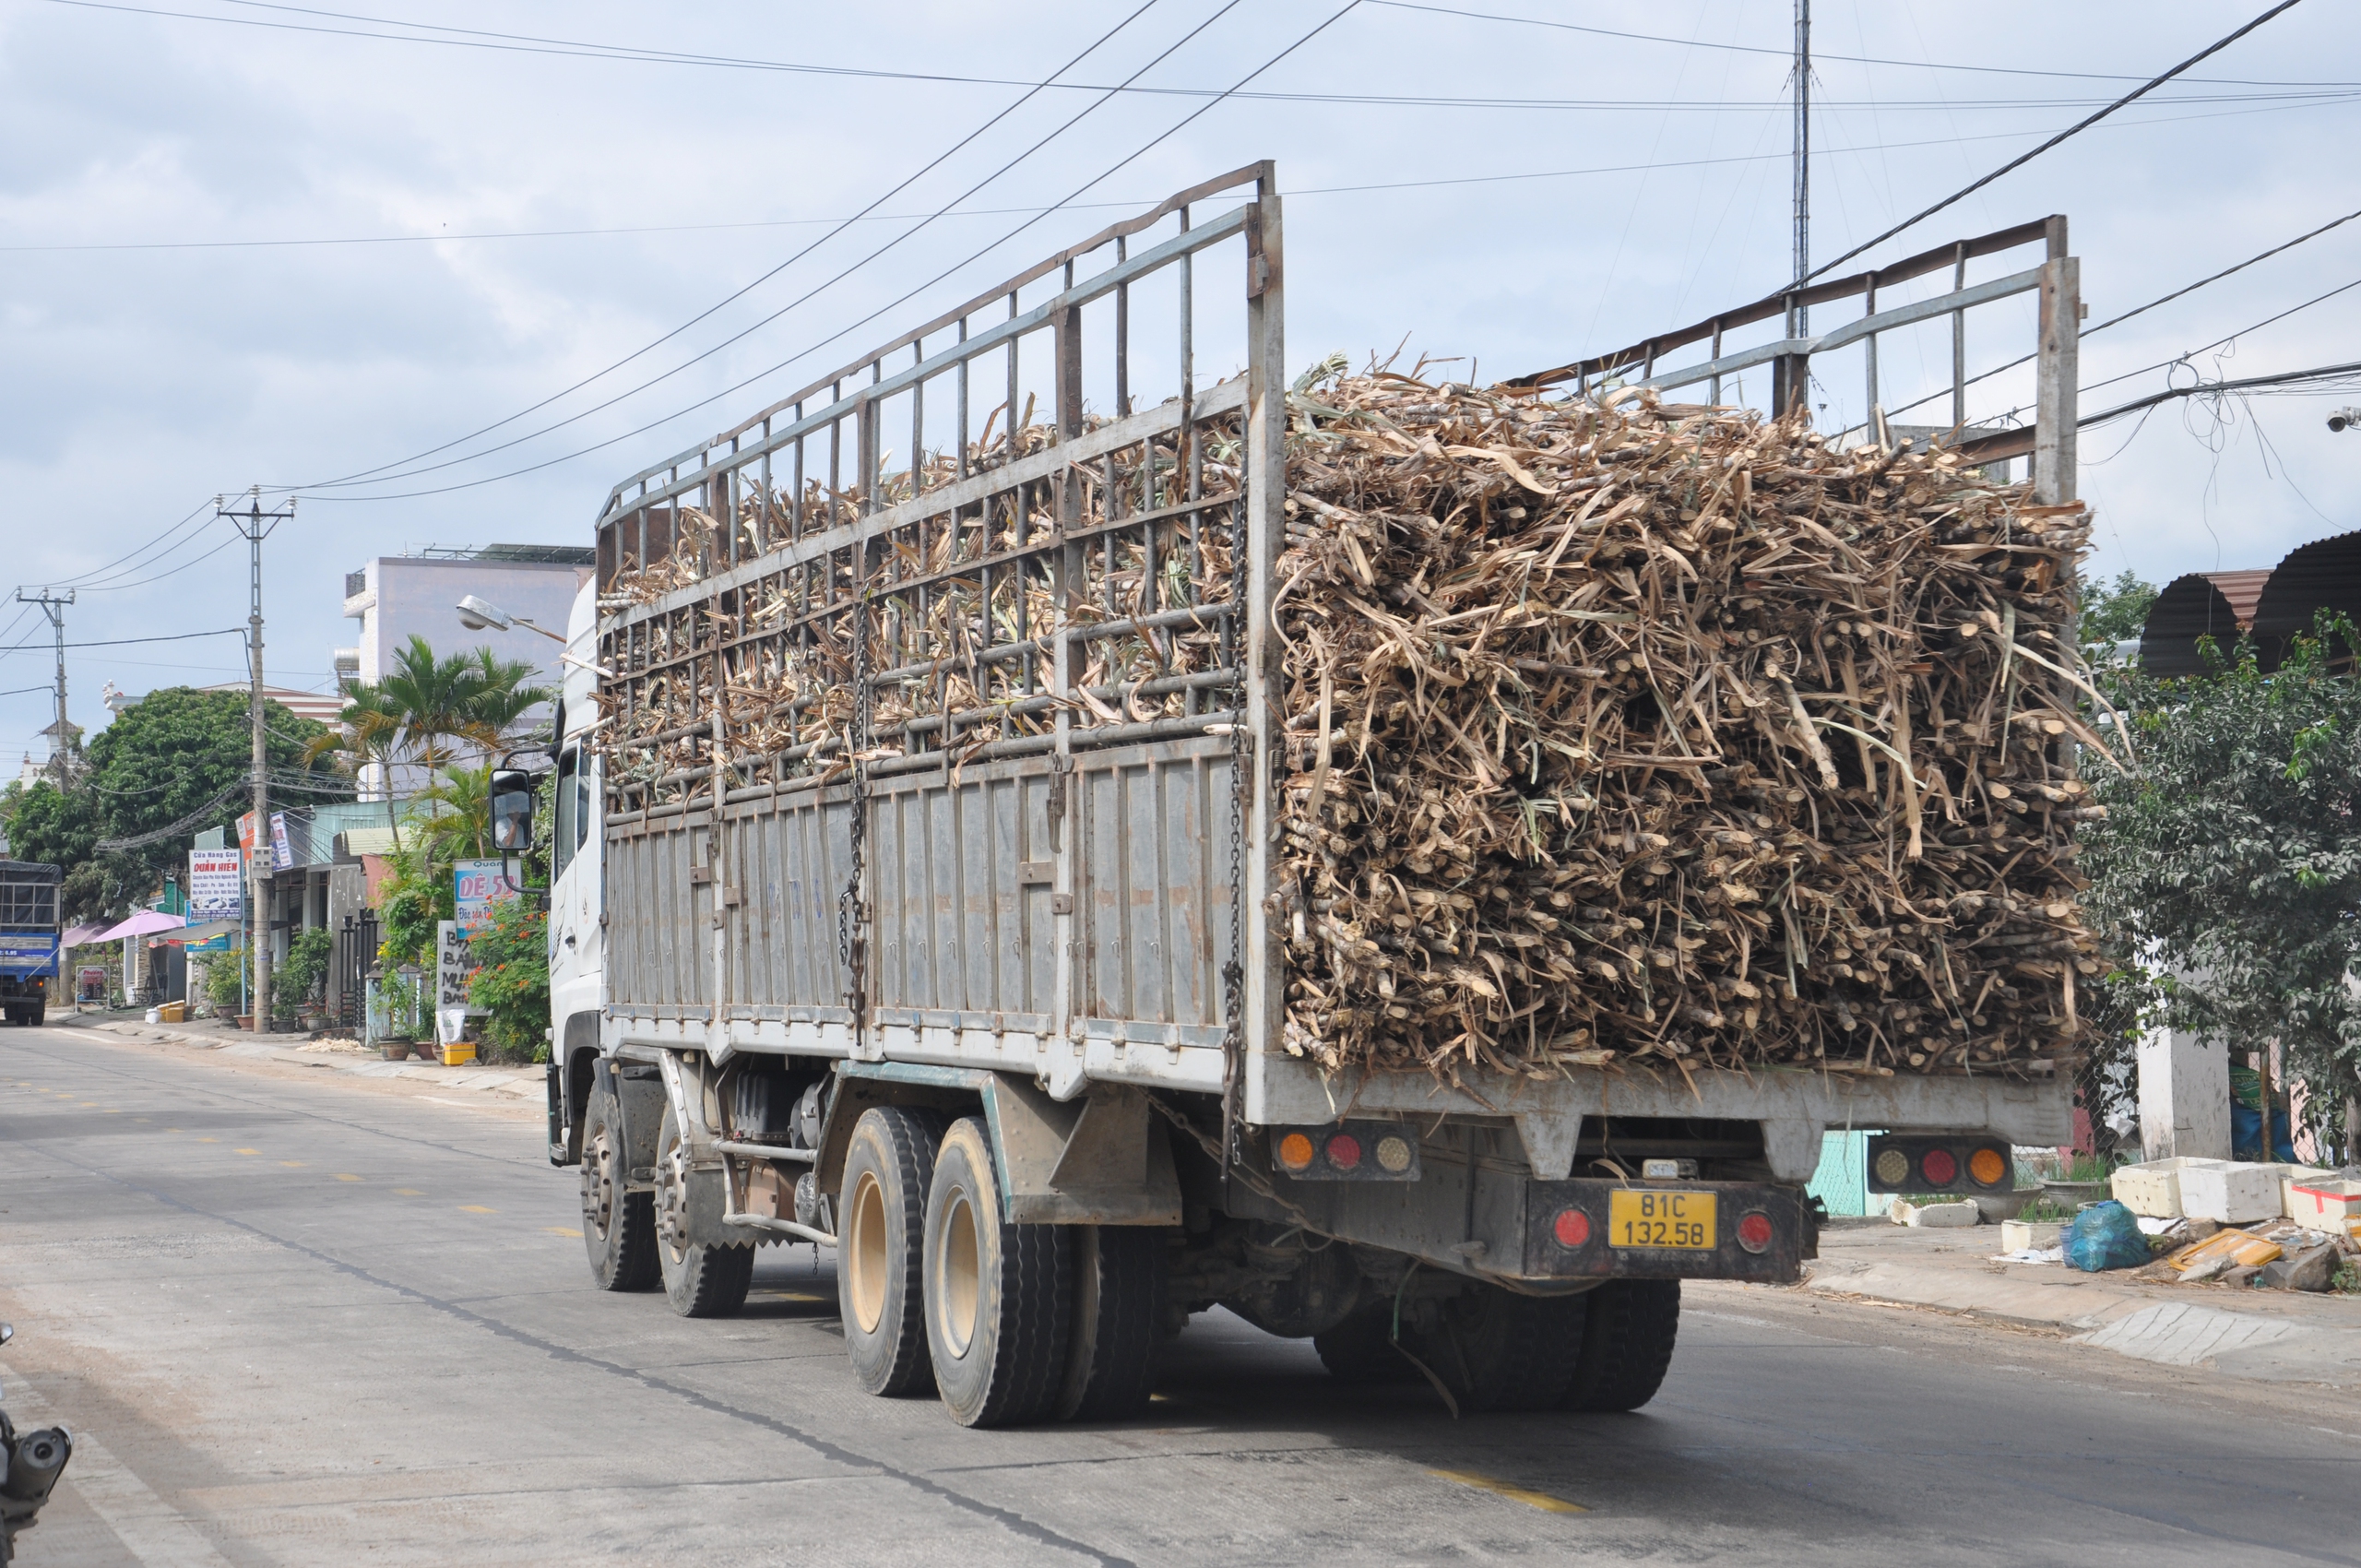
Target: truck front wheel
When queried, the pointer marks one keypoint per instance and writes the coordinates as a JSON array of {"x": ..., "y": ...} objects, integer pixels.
[
  {"x": 700, "y": 1279},
  {"x": 999, "y": 1297},
  {"x": 618, "y": 1227},
  {"x": 1627, "y": 1344},
  {"x": 879, "y": 1225}
]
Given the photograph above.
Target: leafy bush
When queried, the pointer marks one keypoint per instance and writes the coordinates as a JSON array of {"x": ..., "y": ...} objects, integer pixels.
[
  {"x": 512, "y": 983},
  {"x": 415, "y": 898},
  {"x": 302, "y": 976},
  {"x": 223, "y": 981}
]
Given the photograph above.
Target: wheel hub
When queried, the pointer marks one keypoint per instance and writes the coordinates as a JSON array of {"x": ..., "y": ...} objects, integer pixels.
[{"x": 598, "y": 1185}]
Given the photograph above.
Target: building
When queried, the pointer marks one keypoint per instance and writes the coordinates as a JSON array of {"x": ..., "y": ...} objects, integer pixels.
[
  {"x": 321, "y": 708},
  {"x": 397, "y": 597}
]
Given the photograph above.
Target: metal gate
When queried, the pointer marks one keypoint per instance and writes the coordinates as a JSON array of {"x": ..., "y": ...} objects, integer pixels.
[{"x": 356, "y": 951}]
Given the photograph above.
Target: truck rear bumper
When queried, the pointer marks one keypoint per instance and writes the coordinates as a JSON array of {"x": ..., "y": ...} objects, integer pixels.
[{"x": 1757, "y": 1231}]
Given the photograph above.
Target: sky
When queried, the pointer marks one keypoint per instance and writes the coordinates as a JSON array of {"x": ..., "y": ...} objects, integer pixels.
[{"x": 245, "y": 243}]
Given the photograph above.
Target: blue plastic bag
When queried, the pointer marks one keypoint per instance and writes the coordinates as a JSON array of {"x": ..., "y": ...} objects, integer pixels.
[{"x": 2105, "y": 1236}]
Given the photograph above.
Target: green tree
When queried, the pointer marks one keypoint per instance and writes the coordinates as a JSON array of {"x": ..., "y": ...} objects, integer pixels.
[
  {"x": 2116, "y": 611},
  {"x": 454, "y": 703},
  {"x": 368, "y": 734},
  {"x": 512, "y": 982},
  {"x": 158, "y": 765},
  {"x": 2233, "y": 858}
]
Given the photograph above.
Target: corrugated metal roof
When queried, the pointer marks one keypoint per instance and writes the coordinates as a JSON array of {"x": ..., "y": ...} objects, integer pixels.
[
  {"x": 2191, "y": 607},
  {"x": 2323, "y": 575},
  {"x": 2243, "y": 589}
]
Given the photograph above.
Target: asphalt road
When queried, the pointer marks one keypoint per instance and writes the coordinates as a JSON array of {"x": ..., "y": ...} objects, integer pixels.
[{"x": 299, "y": 1319}]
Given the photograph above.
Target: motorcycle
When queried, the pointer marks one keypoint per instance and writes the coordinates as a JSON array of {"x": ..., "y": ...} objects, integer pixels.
[{"x": 31, "y": 1463}]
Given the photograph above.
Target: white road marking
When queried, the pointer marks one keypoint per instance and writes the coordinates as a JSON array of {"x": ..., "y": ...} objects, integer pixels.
[
  {"x": 2182, "y": 1335},
  {"x": 143, "y": 1522}
]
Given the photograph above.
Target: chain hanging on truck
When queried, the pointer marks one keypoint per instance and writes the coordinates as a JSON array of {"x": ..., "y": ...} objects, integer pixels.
[
  {"x": 852, "y": 924},
  {"x": 1233, "y": 973}
]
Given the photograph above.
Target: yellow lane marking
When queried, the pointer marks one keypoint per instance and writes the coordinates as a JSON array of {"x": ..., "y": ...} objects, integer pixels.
[
  {"x": 140, "y": 1119},
  {"x": 346, "y": 1176},
  {"x": 89, "y": 1105},
  {"x": 172, "y": 1129},
  {"x": 292, "y": 1164},
  {"x": 112, "y": 1112},
  {"x": 476, "y": 1208},
  {"x": 209, "y": 1140},
  {"x": 1541, "y": 1499},
  {"x": 558, "y": 1230},
  {"x": 248, "y": 1151},
  {"x": 408, "y": 1193}
]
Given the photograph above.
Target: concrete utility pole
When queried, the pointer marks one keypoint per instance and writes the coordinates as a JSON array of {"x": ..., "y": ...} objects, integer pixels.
[
  {"x": 1803, "y": 147},
  {"x": 55, "y": 607},
  {"x": 256, "y": 524}
]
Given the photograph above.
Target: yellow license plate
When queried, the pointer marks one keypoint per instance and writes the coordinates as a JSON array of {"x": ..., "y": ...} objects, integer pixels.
[{"x": 1643, "y": 1218}]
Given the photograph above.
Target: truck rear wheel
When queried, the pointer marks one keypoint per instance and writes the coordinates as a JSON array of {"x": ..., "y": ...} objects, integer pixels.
[
  {"x": 999, "y": 1297},
  {"x": 700, "y": 1279},
  {"x": 618, "y": 1227},
  {"x": 881, "y": 1226},
  {"x": 1118, "y": 1303},
  {"x": 1627, "y": 1344},
  {"x": 1498, "y": 1350}
]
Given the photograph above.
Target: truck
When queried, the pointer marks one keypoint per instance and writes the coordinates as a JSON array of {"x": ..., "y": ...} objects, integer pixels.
[
  {"x": 993, "y": 1009},
  {"x": 29, "y": 952}
]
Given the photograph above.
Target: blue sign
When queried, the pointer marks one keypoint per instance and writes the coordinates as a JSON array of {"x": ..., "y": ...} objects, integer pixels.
[{"x": 28, "y": 952}]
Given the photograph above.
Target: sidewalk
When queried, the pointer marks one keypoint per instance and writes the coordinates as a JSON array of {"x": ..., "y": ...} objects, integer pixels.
[
  {"x": 2270, "y": 1336},
  {"x": 525, "y": 1083}
]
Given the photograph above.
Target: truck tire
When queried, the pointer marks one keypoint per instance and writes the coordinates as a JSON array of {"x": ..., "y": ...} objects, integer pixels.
[
  {"x": 1361, "y": 1349},
  {"x": 38, "y": 1011},
  {"x": 1627, "y": 1344},
  {"x": 889, "y": 1163},
  {"x": 1118, "y": 1305},
  {"x": 618, "y": 1227},
  {"x": 700, "y": 1278},
  {"x": 1498, "y": 1350},
  {"x": 999, "y": 1297}
]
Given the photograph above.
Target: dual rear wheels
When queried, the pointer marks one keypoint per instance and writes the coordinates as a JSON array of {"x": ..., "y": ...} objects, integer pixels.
[
  {"x": 1009, "y": 1322},
  {"x": 1494, "y": 1349},
  {"x": 639, "y": 1240}
]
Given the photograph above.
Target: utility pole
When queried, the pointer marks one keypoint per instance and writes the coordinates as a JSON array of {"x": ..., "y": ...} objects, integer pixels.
[
  {"x": 1791, "y": 374},
  {"x": 55, "y": 607},
  {"x": 255, "y": 525}
]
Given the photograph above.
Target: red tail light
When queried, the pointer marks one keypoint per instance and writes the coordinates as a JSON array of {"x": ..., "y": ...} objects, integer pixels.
[
  {"x": 1573, "y": 1228},
  {"x": 1940, "y": 1166},
  {"x": 1754, "y": 1230},
  {"x": 1344, "y": 1151}
]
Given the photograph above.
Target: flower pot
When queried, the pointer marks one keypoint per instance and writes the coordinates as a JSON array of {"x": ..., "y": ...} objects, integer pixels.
[
  {"x": 245, "y": 1021},
  {"x": 395, "y": 1049}
]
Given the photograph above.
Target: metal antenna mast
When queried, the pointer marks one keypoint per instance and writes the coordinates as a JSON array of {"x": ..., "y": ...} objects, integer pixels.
[
  {"x": 1803, "y": 149},
  {"x": 55, "y": 607},
  {"x": 255, "y": 525}
]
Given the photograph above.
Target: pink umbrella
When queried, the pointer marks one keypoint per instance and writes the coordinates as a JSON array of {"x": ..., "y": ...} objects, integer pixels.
[
  {"x": 76, "y": 936},
  {"x": 147, "y": 923}
]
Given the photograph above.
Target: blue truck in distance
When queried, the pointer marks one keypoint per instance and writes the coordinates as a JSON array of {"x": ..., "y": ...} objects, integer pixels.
[{"x": 29, "y": 955}]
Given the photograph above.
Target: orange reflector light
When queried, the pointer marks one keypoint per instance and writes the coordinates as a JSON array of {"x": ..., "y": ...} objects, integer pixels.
[
  {"x": 1344, "y": 1151},
  {"x": 1572, "y": 1226},
  {"x": 1295, "y": 1151},
  {"x": 1392, "y": 1153},
  {"x": 1987, "y": 1166},
  {"x": 1940, "y": 1167},
  {"x": 1754, "y": 1231}
]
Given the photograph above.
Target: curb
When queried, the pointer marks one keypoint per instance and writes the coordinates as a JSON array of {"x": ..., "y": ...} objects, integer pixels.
[
  {"x": 525, "y": 1083},
  {"x": 2307, "y": 1339}
]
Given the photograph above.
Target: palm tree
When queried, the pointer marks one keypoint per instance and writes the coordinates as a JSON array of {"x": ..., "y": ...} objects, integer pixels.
[
  {"x": 503, "y": 695},
  {"x": 368, "y": 733},
  {"x": 461, "y": 825},
  {"x": 436, "y": 700}
]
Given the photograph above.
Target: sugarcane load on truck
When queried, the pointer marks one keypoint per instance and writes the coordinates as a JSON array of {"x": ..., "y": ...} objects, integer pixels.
[{"x": 1419, "y": 865}]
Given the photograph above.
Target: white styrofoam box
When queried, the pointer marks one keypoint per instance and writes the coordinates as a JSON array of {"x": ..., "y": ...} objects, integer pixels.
[
  {"x": 2323, "y": 1203},
  {"x": 2153, "y": 1190},
  {"x": 2289, "y": 1175},
  {"x": 2029, "y": 1235},
  {"x": 2229, "y": 1192}
]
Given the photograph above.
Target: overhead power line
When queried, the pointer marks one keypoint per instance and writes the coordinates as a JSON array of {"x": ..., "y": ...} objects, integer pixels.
[
  {"x": 931, "y": 165},
  {"x": 479, "y": 38},
  {"x": 1817, "y": 54},
  {"x": 1115, "y": 168},
  {"x": 2078, "y": 127},
  {"x": 2344, "y": 377}
]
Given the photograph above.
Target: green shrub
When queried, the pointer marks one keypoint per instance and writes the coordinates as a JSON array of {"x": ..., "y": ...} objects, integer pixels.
[
  {"x": 513, "y": 982},
  {"x": 303, "y": 974}
]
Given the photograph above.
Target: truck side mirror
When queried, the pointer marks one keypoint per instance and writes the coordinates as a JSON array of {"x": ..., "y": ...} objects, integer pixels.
[{"x": 512, "y": 810}]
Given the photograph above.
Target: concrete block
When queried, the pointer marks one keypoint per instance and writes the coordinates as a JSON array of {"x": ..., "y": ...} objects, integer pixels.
[
  {"x": 1946, "y": 1215},
  {"x": 2184, "y": 1096},
  {"x": 2309, "y": 1270},
  {"x": 2030, "y": 1235},
  {"x": 2233, "y": 1194}
]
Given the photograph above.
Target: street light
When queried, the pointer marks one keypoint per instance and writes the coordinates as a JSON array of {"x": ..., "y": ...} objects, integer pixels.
[{"x": 479, "y": 615}]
